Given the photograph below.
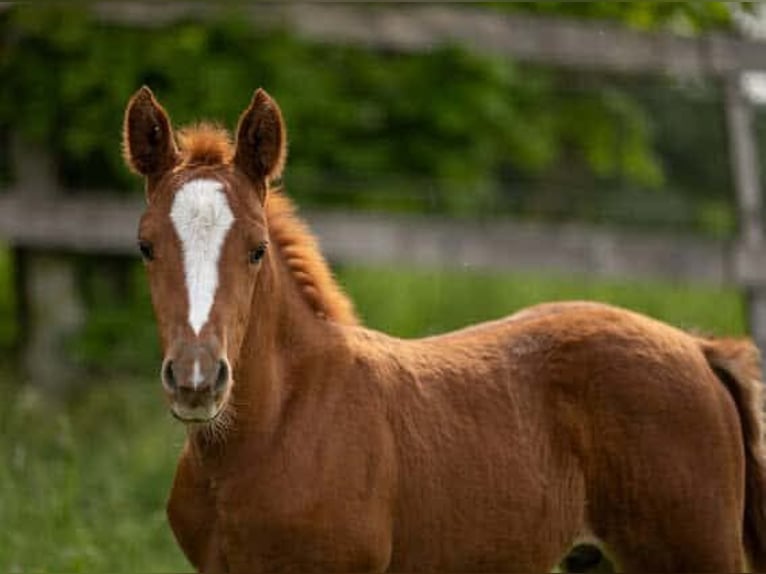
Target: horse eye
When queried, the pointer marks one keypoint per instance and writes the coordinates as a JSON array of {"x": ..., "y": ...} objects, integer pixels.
[
  {"x": 257, "y": 253},
  {"x": 147, "y": 250}
]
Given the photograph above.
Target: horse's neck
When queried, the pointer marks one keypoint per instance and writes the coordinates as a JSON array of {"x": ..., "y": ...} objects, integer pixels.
[{"x": 284, "y": 337}]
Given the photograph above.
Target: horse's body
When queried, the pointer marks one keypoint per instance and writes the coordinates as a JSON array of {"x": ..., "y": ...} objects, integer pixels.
[{"x": 494, "y": 448}]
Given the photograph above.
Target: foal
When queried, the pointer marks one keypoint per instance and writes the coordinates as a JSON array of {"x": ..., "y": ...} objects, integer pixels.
[{"x": 317, "y": 444}]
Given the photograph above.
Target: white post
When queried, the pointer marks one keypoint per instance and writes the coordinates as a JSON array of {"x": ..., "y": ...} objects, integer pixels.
[
  {"x": 750, "y": 259},
  {"x": 51, "y": 310}
]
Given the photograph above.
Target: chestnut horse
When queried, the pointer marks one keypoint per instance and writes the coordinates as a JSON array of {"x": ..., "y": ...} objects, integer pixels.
[{"x": 317, "y": 444}]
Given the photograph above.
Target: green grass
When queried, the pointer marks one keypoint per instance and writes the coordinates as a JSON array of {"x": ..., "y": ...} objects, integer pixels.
[
  {"x": 410, "y": 303},
  {"x": 7, "y": 299},
  {"x": 83, "y": 483}
]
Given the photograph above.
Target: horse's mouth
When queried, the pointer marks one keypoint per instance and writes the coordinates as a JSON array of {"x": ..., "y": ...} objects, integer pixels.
[{"x": 193, "y": 418}]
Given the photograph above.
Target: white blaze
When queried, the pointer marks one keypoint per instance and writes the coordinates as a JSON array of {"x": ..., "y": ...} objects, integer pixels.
[
  {"x": 202, "y": 218},
  {"x": 196, "y": 375}
]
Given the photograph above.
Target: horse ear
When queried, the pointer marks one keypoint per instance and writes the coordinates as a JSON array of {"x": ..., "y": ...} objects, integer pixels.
[
  {"x": 261, "y": 141},
  {"x": 147, "y": 136}
]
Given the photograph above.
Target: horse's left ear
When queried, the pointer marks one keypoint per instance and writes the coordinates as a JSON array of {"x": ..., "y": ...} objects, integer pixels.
[{"x": 261, "y": 141}]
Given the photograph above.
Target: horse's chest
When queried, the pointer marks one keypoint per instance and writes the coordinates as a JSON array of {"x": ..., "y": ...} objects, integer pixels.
[{"x": 259, "y": 526}]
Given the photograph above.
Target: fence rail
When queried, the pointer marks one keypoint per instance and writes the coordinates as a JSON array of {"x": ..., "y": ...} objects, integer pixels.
[
  {"x": 102, "y": 225},
  {"x": 408, "y": 28}
]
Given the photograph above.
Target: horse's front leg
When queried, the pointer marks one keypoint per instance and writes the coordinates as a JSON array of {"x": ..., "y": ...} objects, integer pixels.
[
  {"x": 312, "y": 546},
  {"x": 192, "y": 516}
]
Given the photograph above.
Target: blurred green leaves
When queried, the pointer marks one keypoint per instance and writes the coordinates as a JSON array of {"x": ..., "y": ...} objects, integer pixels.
[
  {"x": 369, "y": 128},
  {"x": 684, "y": 17}
]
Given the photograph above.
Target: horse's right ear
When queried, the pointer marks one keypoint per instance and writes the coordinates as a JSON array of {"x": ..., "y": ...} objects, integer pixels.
[{"x": 147, "y": 137}]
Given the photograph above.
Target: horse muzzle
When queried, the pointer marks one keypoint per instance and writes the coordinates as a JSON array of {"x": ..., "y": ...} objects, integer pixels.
[{"x": 196, "y": 380}]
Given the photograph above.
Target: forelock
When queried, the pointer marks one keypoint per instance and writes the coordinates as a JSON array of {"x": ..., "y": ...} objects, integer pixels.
[{"x": 205, "y": 144}]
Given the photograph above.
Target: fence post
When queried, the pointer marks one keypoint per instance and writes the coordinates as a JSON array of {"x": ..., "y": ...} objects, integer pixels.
[
  {"x": 50, "y": 304},
  {"x": 750, "y": 256}
]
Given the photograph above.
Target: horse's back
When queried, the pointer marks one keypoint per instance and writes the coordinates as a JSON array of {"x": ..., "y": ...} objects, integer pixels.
[{"x": 594, "y": 354}]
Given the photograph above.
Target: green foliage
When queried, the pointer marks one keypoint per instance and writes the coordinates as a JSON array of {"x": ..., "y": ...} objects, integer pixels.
[
  {"x": 83, "y": 485},
  {"x": 410, "y": 303},
  {"x": 689, "y": 16},
  {"x": 442, "y": 131},
  {"x": 8, "y": 303},
  {"x": 119, "y": 333}
]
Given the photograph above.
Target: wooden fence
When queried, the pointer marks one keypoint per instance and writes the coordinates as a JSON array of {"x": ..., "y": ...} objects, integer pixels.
[
  {"x": 107, "y": 226},
  {"x": 35, "y": 216}
]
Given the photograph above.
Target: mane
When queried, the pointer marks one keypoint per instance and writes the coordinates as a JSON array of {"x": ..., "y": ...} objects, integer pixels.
[
  {"x": 210, "y": 144},
  {"x": 303, "y": 258}
]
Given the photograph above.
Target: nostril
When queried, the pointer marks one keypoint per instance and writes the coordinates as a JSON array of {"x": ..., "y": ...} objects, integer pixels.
[
  {"x": 168, "y": 378},
  {"x": 222, "y": 377}
]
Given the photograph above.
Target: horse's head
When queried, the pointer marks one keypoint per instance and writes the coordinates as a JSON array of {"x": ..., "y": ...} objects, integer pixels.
[{"x": 203, "y": 238}]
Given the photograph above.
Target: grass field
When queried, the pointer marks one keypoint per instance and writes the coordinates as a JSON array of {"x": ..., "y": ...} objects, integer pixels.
[
  {"x": 83, "y": 482},
  {"x": 412, "y": 303}
]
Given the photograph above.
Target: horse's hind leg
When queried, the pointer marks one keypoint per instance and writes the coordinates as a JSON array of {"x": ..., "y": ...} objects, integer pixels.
[
  {"x": 669, "y": 555},
  {"x": 672, "y": 506},
  {"x": 675, "y": 534}
]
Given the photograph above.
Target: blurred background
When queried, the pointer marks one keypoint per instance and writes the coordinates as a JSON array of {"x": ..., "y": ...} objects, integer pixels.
[{"x": 457, "y": 161}]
